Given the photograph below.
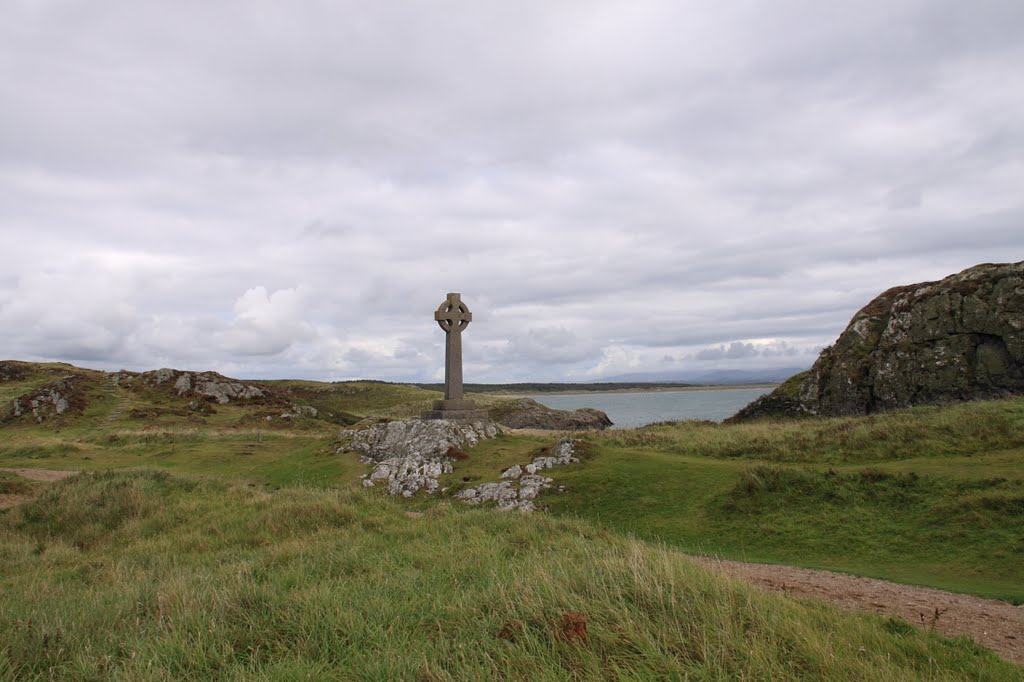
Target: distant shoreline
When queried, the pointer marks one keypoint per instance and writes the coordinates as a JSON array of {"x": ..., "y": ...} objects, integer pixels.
[{"x": 631, "y": 389}]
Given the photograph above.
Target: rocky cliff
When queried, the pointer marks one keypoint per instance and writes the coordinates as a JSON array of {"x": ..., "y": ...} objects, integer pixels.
[{"x": 961, "y": 338}]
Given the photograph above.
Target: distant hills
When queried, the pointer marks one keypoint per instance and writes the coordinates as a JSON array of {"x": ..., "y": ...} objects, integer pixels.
[
  {"x": 716, "y": 377},
  {"x": 640, "y": 380}
]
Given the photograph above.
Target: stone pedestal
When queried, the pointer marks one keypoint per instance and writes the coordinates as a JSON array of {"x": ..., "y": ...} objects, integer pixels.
[{"x": 455, "y": 409}]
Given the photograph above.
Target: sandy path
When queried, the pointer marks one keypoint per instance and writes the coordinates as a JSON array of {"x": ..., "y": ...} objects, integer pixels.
[{"x": 995, "y": 624}]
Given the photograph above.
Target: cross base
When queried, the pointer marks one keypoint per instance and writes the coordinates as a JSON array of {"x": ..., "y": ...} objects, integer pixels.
[{"x": 455, "y": 409}]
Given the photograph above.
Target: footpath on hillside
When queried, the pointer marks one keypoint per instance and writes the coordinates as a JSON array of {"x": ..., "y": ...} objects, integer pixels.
[{"x": 992, "y": 623}]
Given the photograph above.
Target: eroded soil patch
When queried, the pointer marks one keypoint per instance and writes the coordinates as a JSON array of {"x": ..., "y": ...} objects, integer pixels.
[
  {"x": 41, "y": 474},
  {"x": 10, "y": 499}
]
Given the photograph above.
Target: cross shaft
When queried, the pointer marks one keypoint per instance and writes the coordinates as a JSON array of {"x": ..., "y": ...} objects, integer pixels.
[{"x": 453, "y": 317}]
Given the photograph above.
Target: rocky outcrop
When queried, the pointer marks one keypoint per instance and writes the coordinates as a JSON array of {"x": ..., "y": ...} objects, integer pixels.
[
  {"x": 12, "y": 371},
  {"x": 47, "y": 401},
  {"x": 961, "y": 338},
  {"x": 524, "y": 413},
  {"x": 209, "y": 385},
  {"x": 411, "y": 455},
  {"x": 521, "y": 483}
]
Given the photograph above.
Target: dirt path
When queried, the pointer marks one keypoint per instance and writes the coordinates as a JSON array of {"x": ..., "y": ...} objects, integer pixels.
[{"x": 995, "y": 624}]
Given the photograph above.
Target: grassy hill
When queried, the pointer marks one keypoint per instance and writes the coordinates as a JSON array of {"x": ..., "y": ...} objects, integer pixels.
[{"x": 207, "y": 541}]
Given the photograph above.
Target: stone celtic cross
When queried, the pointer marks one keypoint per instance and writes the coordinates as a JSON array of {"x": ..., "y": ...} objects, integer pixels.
[{"x": 453, "y": 317}]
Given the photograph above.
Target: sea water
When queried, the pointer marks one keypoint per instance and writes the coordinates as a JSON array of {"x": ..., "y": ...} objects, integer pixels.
[{"x": 629, "y": 410}]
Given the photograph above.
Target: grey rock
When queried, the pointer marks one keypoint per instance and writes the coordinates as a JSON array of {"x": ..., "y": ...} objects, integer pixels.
[
  {"x": 520, "y": 494},
  {"x": 514, "y": 471},
  {"x": 164, "y": 374},
  {"x": 417, "y": 437},
  {"x": 206, "y": 384},
  {"x": 224, "y": 391},
  {"x": 530, "y": 486},
  {"x": 298, "y": 411},
  {"x": 502, "y": 491},
  {"x": 183, "y": 385},
  {"x": 45, "y": 402},
  {"x": 411, "y": 455}
]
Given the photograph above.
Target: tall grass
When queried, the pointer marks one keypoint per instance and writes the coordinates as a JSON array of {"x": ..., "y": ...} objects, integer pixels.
[
  {"x": 916, "y": 432},
  {"x": 146, "y": 576}
]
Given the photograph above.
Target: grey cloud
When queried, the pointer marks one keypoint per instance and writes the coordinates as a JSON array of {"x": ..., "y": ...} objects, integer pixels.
[
  {"x": 733, "y": 351},
  {"x": 608, "y": 185}
]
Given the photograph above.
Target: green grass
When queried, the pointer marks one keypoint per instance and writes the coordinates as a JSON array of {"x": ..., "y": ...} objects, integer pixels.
[
  {"x": 266, "y": 458},
  {"x": 246, "y": 548},
  {"x": 956, "y": 430},
  {"x": 361, "y": 398},
  {"x": 942, "y": 509},
  {"x": 148, "y": 575},
  {"x": 136, "y": 425},
  {"x": 490, "y": 457},
  {"x": 30, "y": 376}
]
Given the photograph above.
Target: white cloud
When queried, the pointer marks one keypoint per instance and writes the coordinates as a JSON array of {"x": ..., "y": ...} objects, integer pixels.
[{"x": 266, "y": 324}]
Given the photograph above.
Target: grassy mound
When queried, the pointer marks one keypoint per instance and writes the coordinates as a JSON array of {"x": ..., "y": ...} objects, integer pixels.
[
  {"x": 930, "y": 496},
  {"x": 965, "y": 428},
  {"x": 149, "y": 576}
]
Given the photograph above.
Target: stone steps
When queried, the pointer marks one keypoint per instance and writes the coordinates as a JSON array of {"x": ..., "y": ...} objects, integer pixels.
[{"x": 112, "y": 390}]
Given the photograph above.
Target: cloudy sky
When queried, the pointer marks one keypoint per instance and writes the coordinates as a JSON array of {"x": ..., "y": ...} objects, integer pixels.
[{"x": 289, "y": 189}]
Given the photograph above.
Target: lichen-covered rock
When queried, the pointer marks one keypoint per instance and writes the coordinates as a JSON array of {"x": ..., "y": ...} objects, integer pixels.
[
  {"x": 521, "y": 484},
  {"x": 298, "y": 411},
  {"x": 417, "y": 437},
  {"x": 525, "y": 413},
  {"x": 47, "y": 401},
  {"x": 411, "y": 455},
  {"x": 209, "y": 385},
  {"x": 961, "y": 338},
  {"x": 514, "y": 471}
]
